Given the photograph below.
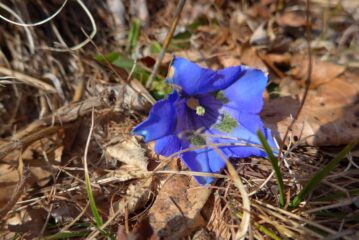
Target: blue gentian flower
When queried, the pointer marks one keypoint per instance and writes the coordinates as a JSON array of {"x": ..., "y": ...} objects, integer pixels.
[{"x": 221, "y": 107}]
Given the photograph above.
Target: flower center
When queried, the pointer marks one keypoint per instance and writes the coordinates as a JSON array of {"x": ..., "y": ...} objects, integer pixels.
[{"x": 193, "y": 104}]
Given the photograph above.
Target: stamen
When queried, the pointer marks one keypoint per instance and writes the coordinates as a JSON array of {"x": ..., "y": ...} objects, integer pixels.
[
  {"x": 200, "y": 111},
  {"x": 193, "y": 104}
]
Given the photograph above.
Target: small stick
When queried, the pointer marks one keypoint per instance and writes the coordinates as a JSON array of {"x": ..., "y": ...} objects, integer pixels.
[
  {"x": 307, "y": 80},
  {"x": 166, "y": 42}
]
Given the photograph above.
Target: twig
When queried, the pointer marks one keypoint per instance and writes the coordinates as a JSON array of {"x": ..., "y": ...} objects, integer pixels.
[
  {"x": 308, "y": 77},
  {"x": 166, "y": 42}
]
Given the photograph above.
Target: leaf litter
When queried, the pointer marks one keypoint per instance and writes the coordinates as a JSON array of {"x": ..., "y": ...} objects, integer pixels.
[{"x": 144, "y": 196}]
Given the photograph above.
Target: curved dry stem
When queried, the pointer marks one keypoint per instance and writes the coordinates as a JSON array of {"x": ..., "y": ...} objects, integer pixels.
[
  {"x": 28, "y": 33},
  {"x": 86, "y": 41},
  {"x": 244, "y": 225},
  {"x": 22, "y": 24}
]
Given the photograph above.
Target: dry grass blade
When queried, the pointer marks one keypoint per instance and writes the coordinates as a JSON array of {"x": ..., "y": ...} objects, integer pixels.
[
  {"x": 28, "y": 80},
  {"x": 246, "y": 217},
  {"x": 28, "y": 33},
  {"x": 92, "y": 202},
  {"x": 21, "y": 24},
  {"x": 82, "y": 44}
]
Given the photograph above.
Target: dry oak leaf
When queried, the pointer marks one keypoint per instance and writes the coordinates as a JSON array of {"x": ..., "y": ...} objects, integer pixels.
[
  {"x": 33, "y": 158},
  {"x": 177, "y": 209},
  {"x": 329, "y": 117},
  {"x": 250, "y": 57},
  {"x": 136, "y": 197},
  {"x": 322, "y": 71}
]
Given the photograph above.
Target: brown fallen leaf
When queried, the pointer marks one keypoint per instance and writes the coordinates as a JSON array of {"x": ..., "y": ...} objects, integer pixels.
[
  {"x": 142, "y": 230},
  {"x": 177, "y": 209},
  {"x": 249, "y": 57},
  {"x": 125, "y": 173},
  {"x": 9, "y": 179},
  {"x": 30, "y": 226},
  {"x": 229, "y": 60},
  {"x": 291, "y": 19},
  {"x": 137, "y": 195},
  {"x": 37, "y": 156},
  {"x": 329, "y": 117},
  {"x": 322, "y": 71},
  {"x": 129, "y": 151},
  {"x": 259, "y": 36}
]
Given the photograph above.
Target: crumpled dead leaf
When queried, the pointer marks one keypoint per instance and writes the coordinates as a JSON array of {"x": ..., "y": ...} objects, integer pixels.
[
  {"x": 177, "y": 209},
  {"x": 9, "y": 178},
  {"x": 36, "y": 157},
  {"x": 291, "y": 19},
  {"x": 322, "y": 71},
  {"x": 137, "y": 195},
  {"x": 229, "y": 60},
  {"x": 126, "y": 173},
  {"x": 249, "y": 57},
  {"x": 329, "y": 117},
  {"x": 129, "y": 151},
  {"x": 259, "y": 36}
]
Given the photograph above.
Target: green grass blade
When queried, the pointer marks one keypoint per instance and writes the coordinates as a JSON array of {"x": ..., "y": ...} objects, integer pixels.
[
  {"x": 274, "y": 162},
  {"x": 66, "y": 235},
  {"x": 134, "y": 34},
  {"x": 269, "y": 233},
  {"x": 315, "y": 180},
  {"x": 338, "y": 195},
  {"x": 91, "y": 198},
  {"x": 266, "y": 231}
]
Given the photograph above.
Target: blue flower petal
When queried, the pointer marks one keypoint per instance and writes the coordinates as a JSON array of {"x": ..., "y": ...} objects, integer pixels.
[
  {"x": 195, "y": 80},
  {"x": 238, "y": 147},
  {"x": 198, "y": 161},
  {"x": 161, "y": 120},
  {"x": 168, "y": 145},
  {"x": 250, "y": 121},
  {"x": 216, "y": 163},
  {"x": 243, "y": 152},
  {"x": 246, "y": 94}
]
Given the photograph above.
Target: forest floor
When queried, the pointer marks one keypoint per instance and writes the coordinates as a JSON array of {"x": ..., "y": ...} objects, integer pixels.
[{"x": 74, "y": 82}]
